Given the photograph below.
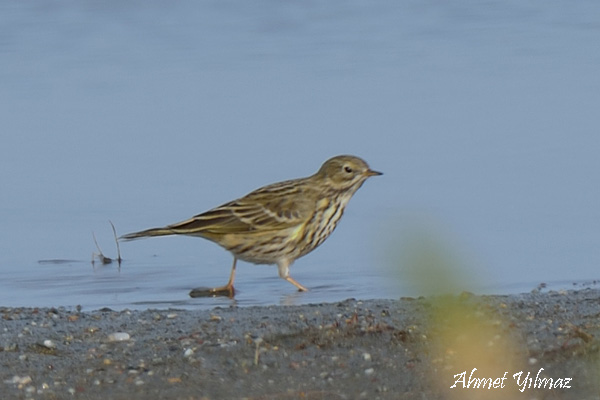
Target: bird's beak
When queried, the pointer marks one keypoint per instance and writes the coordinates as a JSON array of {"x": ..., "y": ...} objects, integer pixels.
[{"x": 370, "y": 172}]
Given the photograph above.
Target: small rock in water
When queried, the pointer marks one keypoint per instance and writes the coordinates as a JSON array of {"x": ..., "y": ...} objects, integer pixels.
[{"x": 118, "y": 337}]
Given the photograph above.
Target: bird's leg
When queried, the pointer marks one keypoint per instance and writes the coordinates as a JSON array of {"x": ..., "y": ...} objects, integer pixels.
[
  {"x": 284, "y": 272},
  {"x": 229, "y": 287},
  {"x": 226, "y": 290}
]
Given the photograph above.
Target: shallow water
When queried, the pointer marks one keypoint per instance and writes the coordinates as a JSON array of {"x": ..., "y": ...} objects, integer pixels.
[{"x": 483, "y": 117}]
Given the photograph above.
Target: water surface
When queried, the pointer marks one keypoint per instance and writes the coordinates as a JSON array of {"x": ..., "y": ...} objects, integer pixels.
[{"x": 482, "y": 115}]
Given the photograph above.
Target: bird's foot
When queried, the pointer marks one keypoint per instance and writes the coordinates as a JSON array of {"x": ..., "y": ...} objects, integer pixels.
[
  {"x": 294, "y": 282},
  {"x": 225, "y": 291}
]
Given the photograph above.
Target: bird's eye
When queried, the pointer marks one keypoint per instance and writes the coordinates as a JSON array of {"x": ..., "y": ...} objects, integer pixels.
[{"x": 347, "y": 169}]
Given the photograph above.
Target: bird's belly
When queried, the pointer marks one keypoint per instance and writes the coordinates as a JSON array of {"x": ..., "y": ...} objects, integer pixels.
[{"x": 263, "y": 247}]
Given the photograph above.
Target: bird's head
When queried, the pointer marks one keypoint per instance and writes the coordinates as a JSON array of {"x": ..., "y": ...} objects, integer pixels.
[{"x": 345, "y": 172}]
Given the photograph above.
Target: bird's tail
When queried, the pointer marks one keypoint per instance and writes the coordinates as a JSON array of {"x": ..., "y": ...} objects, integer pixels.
[{"x": 148, "y": 233}]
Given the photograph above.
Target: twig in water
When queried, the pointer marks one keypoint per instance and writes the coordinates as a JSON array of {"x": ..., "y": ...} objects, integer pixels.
[
  {"x": 103, "y": 259},
  {"x": 119, "y": 259}
]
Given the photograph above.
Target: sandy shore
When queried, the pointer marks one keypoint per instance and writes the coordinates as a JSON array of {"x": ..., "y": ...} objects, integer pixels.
[{"x": 376, "y": 349}]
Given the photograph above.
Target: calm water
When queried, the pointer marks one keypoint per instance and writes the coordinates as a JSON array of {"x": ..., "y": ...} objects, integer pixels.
[{"x": 482, "y": 115}]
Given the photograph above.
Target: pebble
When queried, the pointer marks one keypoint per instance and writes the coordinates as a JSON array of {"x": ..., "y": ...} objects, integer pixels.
[
  {"x": 19, "y": 380},
  {"x": 366, "y": 356},
  {"x": 49, "y": 344},
  {"x": 118, "y": 337},
  {"x": 188, "y": 353},
  {"x": 11, "y": 347},
  {"x": 369, "y": 371}
]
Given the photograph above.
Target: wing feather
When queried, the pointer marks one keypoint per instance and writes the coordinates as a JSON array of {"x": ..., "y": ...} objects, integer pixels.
[{"x": 279, "y": 206}]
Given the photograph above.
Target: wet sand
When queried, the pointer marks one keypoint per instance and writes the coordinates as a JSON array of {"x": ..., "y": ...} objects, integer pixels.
[{"x": 375, "y": 349}]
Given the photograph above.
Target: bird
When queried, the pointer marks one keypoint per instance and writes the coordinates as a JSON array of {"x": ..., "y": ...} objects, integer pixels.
[{"x": 277, "y": 223}]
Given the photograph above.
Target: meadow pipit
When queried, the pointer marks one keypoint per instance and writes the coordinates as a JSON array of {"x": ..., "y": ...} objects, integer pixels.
[{"x": 278, "y": 223}]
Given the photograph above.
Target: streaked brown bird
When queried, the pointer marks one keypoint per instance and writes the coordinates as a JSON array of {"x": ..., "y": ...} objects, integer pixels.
[{"x": 278, "y": 223}]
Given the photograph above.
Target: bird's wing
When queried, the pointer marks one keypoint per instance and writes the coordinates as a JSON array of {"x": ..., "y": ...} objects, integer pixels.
[{"x": 273, "y": 207}]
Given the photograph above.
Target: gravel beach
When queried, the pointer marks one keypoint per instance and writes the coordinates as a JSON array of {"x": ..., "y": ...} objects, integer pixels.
[{"x": 375, "y": 349}]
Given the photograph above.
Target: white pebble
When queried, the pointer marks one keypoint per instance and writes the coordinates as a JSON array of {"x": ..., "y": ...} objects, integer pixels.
[
  {"x": 15, "y": 379},
  {"x": 118, "y": 337},
  {"x": 369, "y": 371},
  {"x": 49, "y": 344},
  {"x": 20, "y": 381},
  {"x": 366, "y": 357},
  {"x": 188, "y": 353}
]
